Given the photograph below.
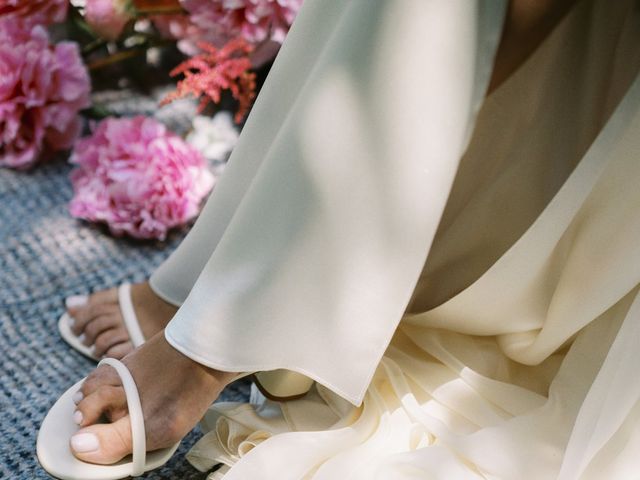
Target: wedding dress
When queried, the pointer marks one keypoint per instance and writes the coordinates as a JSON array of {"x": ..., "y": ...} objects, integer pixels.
[{"x": 459, "y": 274}]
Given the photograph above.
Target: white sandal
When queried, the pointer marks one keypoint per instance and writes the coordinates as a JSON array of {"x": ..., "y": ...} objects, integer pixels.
[
  {"x": 128, "y": 314},
  {"x": 54, "y": 453}
]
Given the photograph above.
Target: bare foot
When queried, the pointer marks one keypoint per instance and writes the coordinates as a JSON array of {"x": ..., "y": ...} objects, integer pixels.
[
  {"x": 100, "y": 322},
  {"x": 175, "y": 392}
]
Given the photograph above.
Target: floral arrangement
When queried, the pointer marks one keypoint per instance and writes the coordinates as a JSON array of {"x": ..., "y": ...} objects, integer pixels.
[{"x": 132, "y": 174}]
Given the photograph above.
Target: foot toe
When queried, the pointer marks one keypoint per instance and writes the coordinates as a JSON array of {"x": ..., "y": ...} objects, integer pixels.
[
  {"x": 108, "y": 401},
  {"x": 109, "y": 338},
  {"x": 76, "y": 301},
  {"x": 103, "y": 375},
  {"x": 105, "y": 296},
  {"x": 103, "y": 444},
  {"x": 120, "y": 350},
  {"x": 91, "y": 320}
]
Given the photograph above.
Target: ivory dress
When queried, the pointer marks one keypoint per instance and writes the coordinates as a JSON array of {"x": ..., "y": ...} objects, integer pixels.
[{"x": 459, "y": 274}]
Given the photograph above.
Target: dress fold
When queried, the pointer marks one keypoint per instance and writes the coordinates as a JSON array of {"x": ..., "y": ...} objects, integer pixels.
[
  {"x": 335, "y": 224},
  {"x": 459, "y": 274}
]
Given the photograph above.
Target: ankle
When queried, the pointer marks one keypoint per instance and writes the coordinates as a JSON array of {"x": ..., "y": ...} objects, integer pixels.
[
  {"x": 206, "y": 377},
  {"x": 153, "y": 312},
  {"x": 143, "y": 295},
  {"x": 221, "y": 377}
]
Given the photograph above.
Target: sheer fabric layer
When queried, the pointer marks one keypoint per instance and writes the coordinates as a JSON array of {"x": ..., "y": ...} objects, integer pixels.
[
  {"x": 452, "y": 404},
  {"x": 328, "y": 228},
  {"x": 515, "y": 358}
]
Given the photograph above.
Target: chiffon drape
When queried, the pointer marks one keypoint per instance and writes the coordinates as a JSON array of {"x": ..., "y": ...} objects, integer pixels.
[{"x": 510, "y": 352}]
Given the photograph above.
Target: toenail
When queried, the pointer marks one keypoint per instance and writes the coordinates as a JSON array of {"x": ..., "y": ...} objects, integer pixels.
[
  {"x": 77, "y": 417},
  {"x": 85, "y": 442},
  {"x": 77, "y": 397},
  {"x": 76, "y": 301},
  {"x": 81, "y": 337}
]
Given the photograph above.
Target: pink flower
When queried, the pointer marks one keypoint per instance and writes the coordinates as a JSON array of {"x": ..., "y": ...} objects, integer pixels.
[
  {"x": 34, "y": 12},
  {"x": 262, "y": 23},
  {"x": 138, "y": 178},
  {"x": 42, "y": 88},
  {"x": 253, "y": 20},
  {"x": 180, "y": 27},
  {"x": 107, "y": 17}
]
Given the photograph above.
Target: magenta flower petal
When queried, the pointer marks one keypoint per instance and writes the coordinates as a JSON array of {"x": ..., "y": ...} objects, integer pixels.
[
  {"x": 107, "y": 17},
  {"x": 259, "y": 22},
  {"x": 137, "y": 177},
  {"x": 42, "y": 88},
  {"x": 34, "y": 12}
]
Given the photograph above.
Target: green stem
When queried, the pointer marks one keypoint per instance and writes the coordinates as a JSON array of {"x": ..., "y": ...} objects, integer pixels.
[
  {"x": 159, "y": 11},
  {"x": 98, "y": 112},
  {"x": 115, "y": 58},
  {"x": 93, "y": 46}
]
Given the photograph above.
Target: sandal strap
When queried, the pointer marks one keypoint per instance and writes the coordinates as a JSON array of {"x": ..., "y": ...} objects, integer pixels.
[
  {"x": 129, "y": 315},
  {"x": 136, "y": 416}
]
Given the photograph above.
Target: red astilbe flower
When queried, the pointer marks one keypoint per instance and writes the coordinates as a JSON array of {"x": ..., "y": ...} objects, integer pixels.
[{"x": 207, "y": 74}]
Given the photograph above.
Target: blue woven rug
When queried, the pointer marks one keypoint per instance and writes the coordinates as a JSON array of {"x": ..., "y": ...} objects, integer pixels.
[{"x": 45, "y": 256}]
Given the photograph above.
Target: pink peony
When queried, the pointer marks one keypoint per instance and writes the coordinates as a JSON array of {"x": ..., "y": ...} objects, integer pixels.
[
  {"x": 253, "y": 20},
  {"x": 34, "y": 12},
  {"x": 179, "y": 27},
  {"x": 262, "y": 23},
  {"x": 108, "y": 17},
  {"x": 138, "y": 178},
  {"x": 42, "y": 88}
]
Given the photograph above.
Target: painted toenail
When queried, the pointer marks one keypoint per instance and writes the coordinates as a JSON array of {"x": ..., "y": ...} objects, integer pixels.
[
  {"x": 76, "y": 301},
  {"x": 85, "y": 442},
  {"x": 77, "y": 417},
  {"x": 77, "y": 397}
]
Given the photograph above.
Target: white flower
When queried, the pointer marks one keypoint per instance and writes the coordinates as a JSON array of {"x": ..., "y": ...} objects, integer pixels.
[{"x": 214, "y": 137}]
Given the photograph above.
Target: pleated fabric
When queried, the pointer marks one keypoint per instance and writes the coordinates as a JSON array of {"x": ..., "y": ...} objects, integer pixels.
[{"x": 510, "y": 353}]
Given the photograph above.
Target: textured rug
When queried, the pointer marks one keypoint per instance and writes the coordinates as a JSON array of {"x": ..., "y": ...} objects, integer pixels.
[{"x": 45, "y": 256}]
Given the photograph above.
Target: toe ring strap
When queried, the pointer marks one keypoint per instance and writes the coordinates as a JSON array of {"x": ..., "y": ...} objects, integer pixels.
[{"x": 135, "y": 414}]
